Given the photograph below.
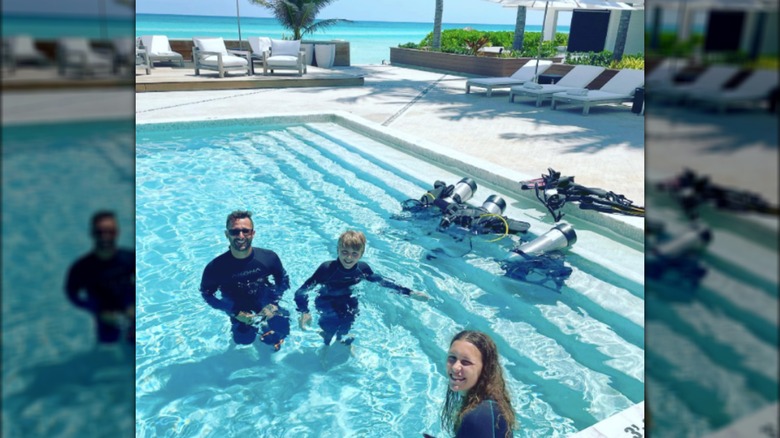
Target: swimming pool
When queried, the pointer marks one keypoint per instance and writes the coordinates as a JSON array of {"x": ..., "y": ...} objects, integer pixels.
[
  {"x": 713, "y": 358},
  {"x": 54, "y": 176},
  {"x": 572, "y": 359}
]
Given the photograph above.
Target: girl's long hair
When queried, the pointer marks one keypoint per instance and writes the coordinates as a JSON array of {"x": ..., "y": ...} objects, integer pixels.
[{"x": 490, "y": 386}]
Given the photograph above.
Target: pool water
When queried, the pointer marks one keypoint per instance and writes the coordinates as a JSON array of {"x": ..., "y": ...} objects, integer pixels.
[
  {"x": 571, "y": 358},
  {"x": 54, "y": 177},
  {"x": 713, "y": 358}
]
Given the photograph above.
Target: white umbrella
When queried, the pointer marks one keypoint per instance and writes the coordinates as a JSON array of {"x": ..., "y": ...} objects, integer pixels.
[{"x": 565, "y": 5}]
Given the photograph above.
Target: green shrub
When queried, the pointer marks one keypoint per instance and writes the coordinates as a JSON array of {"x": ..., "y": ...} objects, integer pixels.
[
  {"x": 460, "y": 41},
  {"x": 629, "y": 61}
]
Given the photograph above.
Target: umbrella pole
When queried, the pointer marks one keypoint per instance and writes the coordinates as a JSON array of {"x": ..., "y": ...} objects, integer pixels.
[
  {"x": 238, "y": 19},
  {"x": 541, "y": 37}
]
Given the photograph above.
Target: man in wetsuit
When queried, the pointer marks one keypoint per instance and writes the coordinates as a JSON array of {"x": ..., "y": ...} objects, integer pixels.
[
  {"x": 103, "y": 282},
  {"x": 335, "y": 302},
  {"x": 242, "y": 275}
]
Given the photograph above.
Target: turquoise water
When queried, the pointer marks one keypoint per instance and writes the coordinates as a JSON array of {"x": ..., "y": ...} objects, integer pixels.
[
  {"x": 54, "y": 176},
  {"x": 570, "y": 362},
  {"x": 714, "y": 355},
  {"x": 52, "y": 27},
  {"x": 370, "y": 41}
]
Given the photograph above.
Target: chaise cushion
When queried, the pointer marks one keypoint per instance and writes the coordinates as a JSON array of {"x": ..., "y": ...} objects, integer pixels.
[
  {"x": 211, "y": 45},
  {"x": 285, "y": 48}
]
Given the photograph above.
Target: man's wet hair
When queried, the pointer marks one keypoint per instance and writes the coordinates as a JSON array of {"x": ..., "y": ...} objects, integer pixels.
[
  {"x": 239, "y": 214},
  {"x": 100, "y": 215},
  {"x": 352, "y": 240}
]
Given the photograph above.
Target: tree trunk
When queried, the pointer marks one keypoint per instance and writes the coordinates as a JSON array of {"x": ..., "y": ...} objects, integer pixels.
[
  {"x": 517, "y": 44},
  {"x": 622, "y": 34},
  {"x": 437, "y": 25}
]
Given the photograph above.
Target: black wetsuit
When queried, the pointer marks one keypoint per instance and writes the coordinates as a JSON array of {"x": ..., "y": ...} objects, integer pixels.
[
  {"x": 337, "y": 307},
  {"x": 245, "y": 286},
  {"x": 484, "y": 421},
  {"x": 109, "y": 286}
]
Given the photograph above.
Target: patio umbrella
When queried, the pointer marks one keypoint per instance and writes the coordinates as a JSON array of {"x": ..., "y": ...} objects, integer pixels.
[{"x": 563, "y": 5}]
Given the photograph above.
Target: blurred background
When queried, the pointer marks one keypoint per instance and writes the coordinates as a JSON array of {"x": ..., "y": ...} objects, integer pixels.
[
  {"x": 711, "y": 134},
  {"x": 67, "y": 152}
]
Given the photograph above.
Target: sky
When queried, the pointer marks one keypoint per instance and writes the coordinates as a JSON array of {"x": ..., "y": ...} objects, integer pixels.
[{"x": 455, "y": 11}]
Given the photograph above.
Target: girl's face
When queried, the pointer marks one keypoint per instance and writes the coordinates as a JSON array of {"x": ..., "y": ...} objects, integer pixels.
[
  {"x": 464, "y": 366},
  {"x": 348, "y": 257}
]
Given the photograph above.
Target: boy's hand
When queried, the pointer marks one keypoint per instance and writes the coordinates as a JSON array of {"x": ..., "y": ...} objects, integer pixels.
[
  {"x": 419, "y": 296},
  {"x": 304, "y": 320}
]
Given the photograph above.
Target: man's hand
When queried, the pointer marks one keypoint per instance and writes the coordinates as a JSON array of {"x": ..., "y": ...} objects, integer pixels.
[
  {"x": 304, "y": 320},
  {"x": 246, "y": 317},
  {"x": 110, "y": 318},
  {"x": 269, "y": 311},
  {"x": 420, "y": 296}
]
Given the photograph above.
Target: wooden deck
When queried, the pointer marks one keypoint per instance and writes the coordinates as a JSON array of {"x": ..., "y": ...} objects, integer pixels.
[{"x": 184, "y": 79}]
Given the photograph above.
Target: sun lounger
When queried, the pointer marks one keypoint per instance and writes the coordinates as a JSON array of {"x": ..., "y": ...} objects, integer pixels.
[
  {"x": 77, "y": 53},
  {"x": 578, "y": 77},
  {"x": 284, "y": 55},
  {"x": 750, "y": 92},
  {"x": 620, "y": 88},
  {"x": 211, "y": 54},
  {"x": 521, "y": 76},
  {"x": 124, "y": 52},
  {"x": 159, "y": 49},
  {"x": 259, "y": 46},
  {"x": 663, "y": 74},
  {"x": 20, "y": 49},
  {"x": 710, "y": 80}
]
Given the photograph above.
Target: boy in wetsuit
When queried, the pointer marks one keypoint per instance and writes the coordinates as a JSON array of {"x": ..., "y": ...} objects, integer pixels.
[{"x": 335, "y": 302}]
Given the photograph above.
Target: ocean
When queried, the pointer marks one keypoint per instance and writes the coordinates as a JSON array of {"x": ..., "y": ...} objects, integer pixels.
[{"x": 370, "y": 41}]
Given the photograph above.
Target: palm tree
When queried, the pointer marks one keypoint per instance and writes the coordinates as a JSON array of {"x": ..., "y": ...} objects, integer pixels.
[
  {"x": 437, "y": 25},
  {"x": 299, "y": 15},
  {"x": 517, "y": 44}
]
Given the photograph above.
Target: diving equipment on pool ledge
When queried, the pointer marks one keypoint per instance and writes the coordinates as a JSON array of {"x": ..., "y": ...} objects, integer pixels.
[
  {"x": 676, "y": 256},
  {"x": 557, "y": 190},
  {"x": 451, "y": 202},
  {"x": 541, "y": 261}
]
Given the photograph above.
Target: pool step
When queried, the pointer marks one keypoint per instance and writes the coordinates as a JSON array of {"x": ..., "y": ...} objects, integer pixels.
[
  {"x": 762, "y": 423},
  {"x": 628, "y": 423}
]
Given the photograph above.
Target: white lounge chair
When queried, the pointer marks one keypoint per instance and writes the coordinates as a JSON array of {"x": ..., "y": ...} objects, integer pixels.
[
  {"x": 620, "y": 88},
  {"x": 663, "y": 74},
  {"x": 284, "y": 55},
  {"x": 750, "y": 92},
  {"x": 259, "y": 46},
  {"x": 211, "y": 54},
  {"x": 710, "y": 80},
  {"x": 124, "y": 52},
  {"x": 521, "y": 76},
  {"x": 20, "y": 49},
  {"x": 77, "y": 53},
  {"x": 578, "y": 77},
  {"x": 159, "y": 49}
]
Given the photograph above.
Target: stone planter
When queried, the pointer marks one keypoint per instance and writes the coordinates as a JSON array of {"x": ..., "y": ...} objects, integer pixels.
[
  {"x": 324, "y": 55},
  {"x": 475, "y": 65},
  {"x": 309, "y": 49}
]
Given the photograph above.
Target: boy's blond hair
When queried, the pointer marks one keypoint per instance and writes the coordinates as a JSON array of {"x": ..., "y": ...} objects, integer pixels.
[{"x": 352, "y": 240}]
